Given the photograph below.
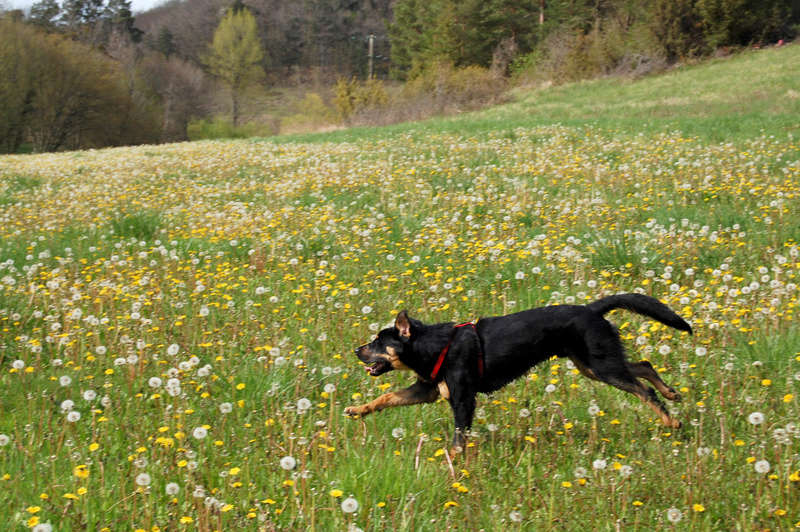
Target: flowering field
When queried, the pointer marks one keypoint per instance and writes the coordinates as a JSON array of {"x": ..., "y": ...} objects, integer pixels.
[{"x": 177, "y": 325}]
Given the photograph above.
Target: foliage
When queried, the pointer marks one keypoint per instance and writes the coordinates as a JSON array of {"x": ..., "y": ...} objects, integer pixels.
[
  {"x": 353, "y": 96},
  {"x": 60, "y": 94},
  {"x": 221, "y": 128},
  {"x": 578, "y": 39},
  {"x": 235, "y": 55},
  {"x": 310, "y": 113}
]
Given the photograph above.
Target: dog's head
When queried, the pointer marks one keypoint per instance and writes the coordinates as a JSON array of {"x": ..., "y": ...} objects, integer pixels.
[{"x": 386, "y": 351}]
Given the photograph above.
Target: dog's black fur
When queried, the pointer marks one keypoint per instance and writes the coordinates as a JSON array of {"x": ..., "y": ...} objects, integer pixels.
[{"x": 510, "y": 346}]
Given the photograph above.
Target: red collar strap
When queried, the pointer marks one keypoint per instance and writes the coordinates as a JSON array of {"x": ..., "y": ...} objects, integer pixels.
[{"x": 443, "y": 354}]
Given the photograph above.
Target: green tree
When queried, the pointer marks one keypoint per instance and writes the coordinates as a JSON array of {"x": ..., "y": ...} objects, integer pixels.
[
  {"x": 461, "y": 32},
  {"x": 236, "y": 54},
  {"x": 45, "y": 14},
  {"x": 15, "y": 82},
  {"x": 743, "y": 22},
  {"x": 676, "y": 27}
]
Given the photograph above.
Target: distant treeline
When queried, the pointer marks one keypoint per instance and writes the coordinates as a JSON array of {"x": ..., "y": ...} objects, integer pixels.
[{"x": 87, "y": 73}]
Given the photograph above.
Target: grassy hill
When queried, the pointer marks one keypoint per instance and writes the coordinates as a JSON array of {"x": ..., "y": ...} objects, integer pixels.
[
  {"x": 177, "y": 322},
  {"x": 733, "y": 97}
]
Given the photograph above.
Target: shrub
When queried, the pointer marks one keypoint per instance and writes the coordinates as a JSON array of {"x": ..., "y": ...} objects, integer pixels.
[
  {"x": 311, "y": 114},
  {"x": 222, "y": 128},
  {"x": 353, "y": 97}
]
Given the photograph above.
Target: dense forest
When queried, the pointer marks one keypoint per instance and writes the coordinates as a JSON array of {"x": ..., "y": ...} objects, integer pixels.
[{"x": 90, "y": 73}]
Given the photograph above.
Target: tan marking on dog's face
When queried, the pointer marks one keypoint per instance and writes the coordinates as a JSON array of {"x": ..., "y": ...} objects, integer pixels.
[
  {"x": 394, "y": 360},
  {"x": 444, "y": 391}
]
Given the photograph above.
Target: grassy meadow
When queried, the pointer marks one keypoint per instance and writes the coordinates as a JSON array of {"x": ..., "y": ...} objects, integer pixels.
[{"x": 177, "y": 322}]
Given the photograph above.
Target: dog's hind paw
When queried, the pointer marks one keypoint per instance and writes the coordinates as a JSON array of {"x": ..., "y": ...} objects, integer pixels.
[{"x": 673, "y": 396}]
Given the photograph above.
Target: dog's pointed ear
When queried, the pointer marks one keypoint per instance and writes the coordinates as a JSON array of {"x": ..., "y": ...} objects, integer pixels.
[{"x": 403, "y": 324}]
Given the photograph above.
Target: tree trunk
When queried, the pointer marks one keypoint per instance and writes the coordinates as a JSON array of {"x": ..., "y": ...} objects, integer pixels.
[{"x": 235, "y": 102}]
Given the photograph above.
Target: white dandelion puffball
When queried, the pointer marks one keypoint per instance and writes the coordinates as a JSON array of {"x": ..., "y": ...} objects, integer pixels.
[
  {"x": 303, "y": 404},
  {"x": 226, "y": 408},
  {"x": 4, "y": 440},
  {"x": 89, "y": 395},
  {"x": 762, "y": 466},
  {"x": 73, "y": 416},
  {"x": 199, "y": 433},
  {"x": 398, "y": 433},
  {"x": 154, "y": 382},
  {"x": 18, "y": 364},
  {"x": 143, "y": 480},
  {"x": 349, "y": 505},
  {"x": 674, "y": 515},
  {"x": 599, "y": 464},
  {"x": 42, "y": 527},
  {"x": 550, "y": 388},
  {"x": 173, "y": 349},
  {"x": 172, "y": 488},
  {"x": 67, "y": 405},
  {"x": 756, "y": 418},
  {"x": 65, "y": 380},
  {"x": 288, "y": 463}
]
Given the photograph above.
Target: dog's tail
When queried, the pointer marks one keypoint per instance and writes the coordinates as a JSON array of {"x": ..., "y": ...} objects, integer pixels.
[{"x": 641, "y": 304}]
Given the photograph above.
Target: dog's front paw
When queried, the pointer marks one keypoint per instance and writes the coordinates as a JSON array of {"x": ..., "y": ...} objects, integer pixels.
[{"x": 354, "y": 411}]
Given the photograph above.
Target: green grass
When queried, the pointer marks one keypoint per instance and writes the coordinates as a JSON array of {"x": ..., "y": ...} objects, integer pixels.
[{"x": 247, "y": 271}]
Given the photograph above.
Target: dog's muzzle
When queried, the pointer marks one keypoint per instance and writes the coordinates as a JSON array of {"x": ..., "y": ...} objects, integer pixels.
[{"x": 375, "y": 364}]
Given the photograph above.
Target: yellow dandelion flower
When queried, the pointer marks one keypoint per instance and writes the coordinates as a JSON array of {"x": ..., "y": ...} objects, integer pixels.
[
  {"x": 450, "y": 504},
  {"x": 336, "y": 493},
  {"x": 698, "y": 507},
  {"x": 186, "y": 520}
]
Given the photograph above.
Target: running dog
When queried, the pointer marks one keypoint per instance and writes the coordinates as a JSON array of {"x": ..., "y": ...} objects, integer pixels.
[{"x": 458, "y": 361}]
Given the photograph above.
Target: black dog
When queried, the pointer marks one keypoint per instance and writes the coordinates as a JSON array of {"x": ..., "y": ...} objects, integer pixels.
[{"x": 458, "y": 361}]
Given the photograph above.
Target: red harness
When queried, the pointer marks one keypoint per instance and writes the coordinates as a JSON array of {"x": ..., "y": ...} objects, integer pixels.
[{"x": 443, "y": 354}]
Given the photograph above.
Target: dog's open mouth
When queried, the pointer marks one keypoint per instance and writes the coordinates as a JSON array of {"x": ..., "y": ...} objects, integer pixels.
[{"x": 378, "y": 367}]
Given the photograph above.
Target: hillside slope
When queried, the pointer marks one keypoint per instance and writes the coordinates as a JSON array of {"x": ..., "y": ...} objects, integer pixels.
[{"x": 740, "y": 96}]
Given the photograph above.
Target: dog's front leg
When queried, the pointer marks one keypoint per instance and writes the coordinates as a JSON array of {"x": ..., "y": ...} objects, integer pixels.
[
  {"x": 462, "y": 401},
  {"x": 419, "y": 392}
]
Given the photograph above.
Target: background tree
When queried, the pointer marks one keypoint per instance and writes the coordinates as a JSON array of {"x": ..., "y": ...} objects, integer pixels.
[
  {"x": 15, "y": 83},
  {"x": 235, "y": 55},
  {"x": 44, "y": 14}
]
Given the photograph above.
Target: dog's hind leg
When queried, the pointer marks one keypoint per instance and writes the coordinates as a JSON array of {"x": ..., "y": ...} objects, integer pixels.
[
  {"x": 628, "y": 383},
  {"x": 645, "y": 370}
]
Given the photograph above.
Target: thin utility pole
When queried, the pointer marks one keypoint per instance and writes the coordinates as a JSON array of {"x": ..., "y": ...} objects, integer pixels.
[{"x": 371, "y": 52}]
